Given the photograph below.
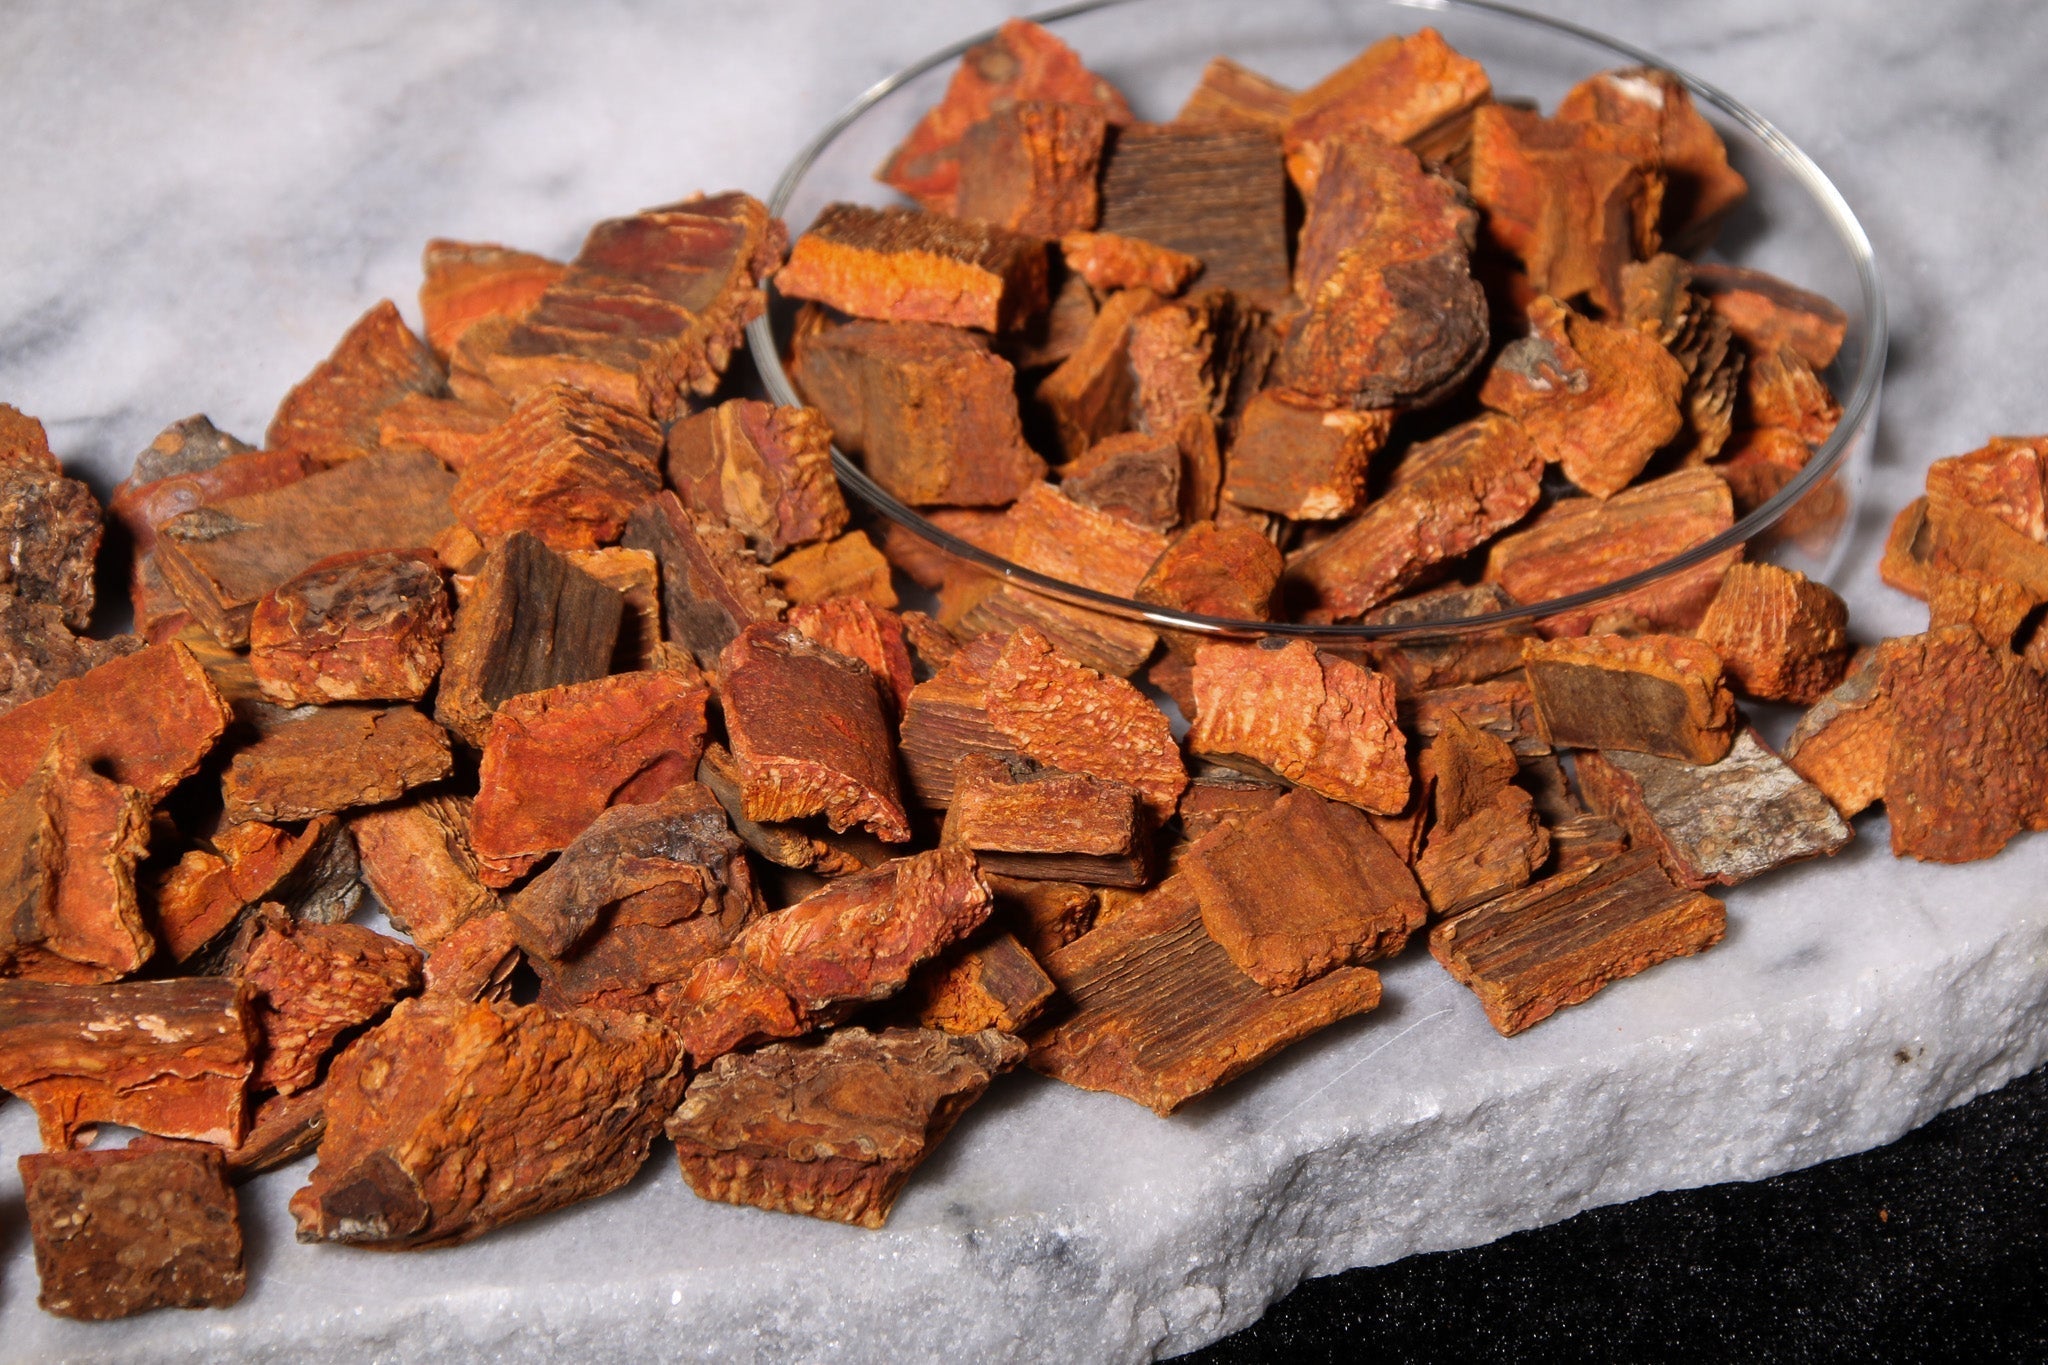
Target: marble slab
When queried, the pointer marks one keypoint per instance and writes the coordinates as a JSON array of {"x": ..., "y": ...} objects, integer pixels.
[{"x": 200, "y": 198}]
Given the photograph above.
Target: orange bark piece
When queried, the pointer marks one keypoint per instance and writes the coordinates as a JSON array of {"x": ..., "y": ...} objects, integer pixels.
[
  {"x": 1782, "y": 391},
  {"x": 856, "y": 940},
  {"x": 1091, "y": 393},
  {"x": 1494, "y": 850},
  {"x": 1843, "y": 743},
  {"x": 452, "y": 1118},
  {"x": 310, "y": 983},
  {"x": 946, "y": 717},
  {"x": 860, "y": 630},
  {"x": 931, "y": 410},
  {"x": 1301, "y": 459},
  {"x": 452, "y": 430},
  {"x": 1210, "y": 570},
  {"x": 470, "y": 282},
  {"x": 849, "y": 566},
  {"x": 2007, "y": 477},
  {"x": 1232, "y": 93},
  {"x": 1110, "y": 262},
  {"x": 1068, "y": 716},
  {"x": 1781, "y": 636},
  {"x": 1573, "y": 200},
  {"x": 1318, "y": 720},
  {"x": 1414, "y": 89},
  {"x": 1301, "y": 887},
  {"x": 1556, "y": 943},
  {"x": 24, "y": 443},
  {"x": 567, "y": 467},
  {"x": 366, "y": 628},
  {"x": 417, "y": 857},
  {"x": 1048, "y": 824},
  {"x": 145, "y": 720},
  {"x": 1597, "y": 400},
  {"x": 331, "y": 415},
  {"x": 171, "y": 1057},
  {"x": 808, "y": 733},
  {"x": 1700, "y": 186},
  {"x": 68, "y": 891},
  {"x": 554, "y": 760},
  {"x": 1376, "y": 196},
  {"x": 906, "y": 265},
  {"x": 1449, "y": 496},
  {"x": 992, "y": 983},
  {"x": 204, "y": 895},
  {"x": 1766, "y": 312},
  {"x": 1021, "y": 62},
  {"x": 765, "y": 471},
  {"x": 1161, "y": 1013},
  {"x": 1583, "y": 543},
  {"x": 652, "y": 308},
  {"x": 1031, "y": 167},
  {"x": 1968, "y": 762},
  {"x": 1653, "y": 694},
  {"x": 335, "y": 759},
  {"x": 1759, "y": 462},
  {"x": 476, "y": 961}
]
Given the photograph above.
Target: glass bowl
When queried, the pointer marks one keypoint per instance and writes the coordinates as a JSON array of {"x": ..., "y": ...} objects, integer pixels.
[{"x": 1794, "y": 224}]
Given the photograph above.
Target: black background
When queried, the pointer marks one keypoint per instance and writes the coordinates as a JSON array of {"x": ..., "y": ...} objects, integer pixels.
[{"x": 1934, "y": 1248}]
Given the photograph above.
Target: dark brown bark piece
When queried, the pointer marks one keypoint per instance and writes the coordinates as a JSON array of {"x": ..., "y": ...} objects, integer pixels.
[
  {"x": 1021, "y": 62},
  {"x": 1766, "y": 312},
  {"x": 531, "y": 621},
  {"x": 171, "y": 1057},
  {"x": 808, "y": 733},
  {"x": 335, "y": 759},
  {"x": 1967, "y": 767},
  {"x": 931, "y": 410},
  {"x": 308, "y": 984},
  {"x": 1414, "y": 89},
  {"x": 450, "y": 1119},
  {"x": 282, "y": 1129},
  {"x": 1313, "y": 718},
  {"x": 1300, "y": 888},
  {"x": 1582, "y": 543},
  {"x": 1597, "y": 400},
  {"x": 38, "y": 651},
  {"x": 833, "y": 1130},
  {"x": 1503, "y": 707},
  {"x": 1302, "y": 460},
  {"x": 856, "y": 940},
  {"x": 1781, "y": 636},
  {"x": 1424, "y": 661},
  {"x": 1091, "y": 394},
  {"x": 1214, "y": 192},
  {"x": 330, "y": 417},
  {"x": 1720, "y": 824},
  {"x": 1161, "y": 1013},
  {"x": 416, "y": 856},
  {"x": 1132, "y": 476},
  {"x": 566, "y": 467},
  {"x": 991, "y": 983},
  {"x": 222, "y": 558},
  {"x": 711, "y": 585},
  {"x": 652, "y": 308},
  {"x": 850, "y": 566},
  {"x": 1556, "y": 943},
  {"x": 1699, "y": 185},
  {"x": 1047, "y": 824},
  {"x": 51, "y": 527},
  {"x": 146, "y": 720},
  {"x": 1234, "y": 94},
  {"x": 1110, "y": 262},
  {"x": 1450, "y": 495},
  {"x": 465, "y": 283},
  {"x": 862, "y": 631},
  {"x": 553, "y": 761},
  {"x": 366, "y": 628},
  {"x": 1654, "y": 694},
  {"x": 908, "y": 265},
  {"x": 1031, "y": 167},
  {"x": 1045, "y": 916},
  {"x": 121, "y": 1232},
  {"x": 765, "y": 471}
]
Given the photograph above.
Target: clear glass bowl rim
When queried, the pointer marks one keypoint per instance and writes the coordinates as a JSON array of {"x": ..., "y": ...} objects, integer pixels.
[{"x": 1856, "y": 408}]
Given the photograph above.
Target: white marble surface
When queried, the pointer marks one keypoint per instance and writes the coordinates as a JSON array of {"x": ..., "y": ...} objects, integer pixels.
[{"x": 201, "y": 197}]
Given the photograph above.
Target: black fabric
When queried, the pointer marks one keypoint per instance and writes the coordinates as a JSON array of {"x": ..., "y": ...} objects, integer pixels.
[{"x": 1934, "y": 1248}]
